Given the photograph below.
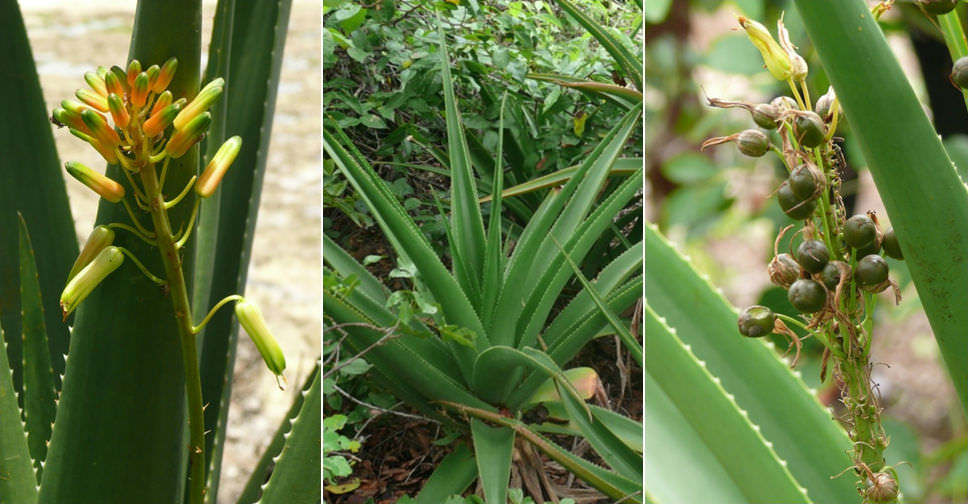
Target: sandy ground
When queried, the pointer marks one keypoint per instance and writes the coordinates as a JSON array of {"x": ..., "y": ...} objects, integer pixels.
[{"x": 285, "y": 268}]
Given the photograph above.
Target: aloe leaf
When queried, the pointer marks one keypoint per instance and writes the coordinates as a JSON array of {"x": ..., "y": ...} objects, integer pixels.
[
  {"x": 776, "y": 400},
  {"x": 494, "y": 253},
  {"x": 914, "y": 176},
  {"x": 623, "y": 96},
  {"x": 454, "y": 474},
  {"x": 39, "y": 393},
  {"x": 19, "y": 483},
  {"x": 724, "y": 429},
  {"x": 954, "y": 37},
  {"x": 253, "y": 487},
  {"x": 296, "y": 476},
  {"x": 124, "y": 390},
  {"x": 254, "y": 60},
  {"x": 628, "y": 431},
  {"x": 627, "y": 61},
  {"x": 492, "y": 451},
  {"x": 622, "y": 167},
  {"x": 33, "y": 185},
  {"x": 468, "y": 227}
]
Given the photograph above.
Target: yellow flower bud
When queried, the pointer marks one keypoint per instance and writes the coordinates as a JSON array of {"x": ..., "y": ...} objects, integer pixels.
[
  {"x": 100, "y": 129},
  {"x": 96, "y": 82},
  {"x": 101, "y": 237},
  {"x": 797, "y": 63},
  {"x": 97, "y": 182},
  {"x": 93, "y": 99},
  {"x": 205, "y": 98},
  {"x": 106, "y": 151},
  {"x": 79, "y": 287},
  {"x": 217, "y": 167},
  {"x": 250, "y": 318},
  {"x": 776, "y": 59}
]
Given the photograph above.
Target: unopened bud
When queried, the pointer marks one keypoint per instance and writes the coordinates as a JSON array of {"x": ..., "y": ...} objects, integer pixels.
[
  {"x": 65, "y": 117},
  {"x": 163, "y": 100},
  {"x": 250, "y": 318},
  {"x": 139, "y": 91},
  {"x": 118, "y": 112},
  {"x": 797, "y": 64},
  {"x": 134, "y": 68},
  {"x": 152, "y": 72},
  {"x": 217, "y": 167},
  {"x": 116, "y": 81},
  {"x": 160, "y": 120},
  {"x": 183, "y": 139},
  {"x": 96, "y": 82},
  {"x": 165, "y": 76},
  {"x": 101, "y": 237},
  {"x": 79, "y": 287},
  {"x": 205, "y": 98},
  {"x": 100, "y": 129},
  {"x": 106, "y": 151},
  {"x": 93, "y": 99},
  {"x": 97, "y": 182}
]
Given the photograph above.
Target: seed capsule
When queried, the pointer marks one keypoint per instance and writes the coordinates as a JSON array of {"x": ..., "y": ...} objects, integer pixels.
[
  {"x": 756, "y": 321},
  {"x": 809, "y": 129},
  {"x": 871, "y": 273},
  {"x": 783, "y": 270},
  {"x": 795, "y": 208},
  {"x": 860, "y": 231},
  {"x": 959, "y": 72},
  {"x": 891, "y": 247},
  {"x": 807, "y": 296},
  {"x": 766, "y": 115},
  {"x": 882, "y": 489},
  {"x": 805, "y": 180},
  {"x": 813, "y": 255},
  {"x": 250, "y": 318},
  {"x": 830, "y": 275},
  {"x": 824, "y": 103},
  {"x": 938, "y": 7},
  {"x": 753, "y": 143}
]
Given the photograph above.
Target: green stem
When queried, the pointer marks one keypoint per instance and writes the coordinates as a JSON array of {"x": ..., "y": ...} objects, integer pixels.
[
  {"x": 954, "y": 38},
  {"x": 179, "y": 299},
  {"x": 226, "y": 299}
]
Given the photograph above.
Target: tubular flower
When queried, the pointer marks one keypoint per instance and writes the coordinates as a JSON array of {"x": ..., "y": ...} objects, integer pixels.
[
  {"x": 217, "y": 167},
  {"x": 798, "y": 64},
  {"x": 101, "y": 184},
  {"x": 776, "y": 58},
  {"x": 106, "y": 261},
  {"x": 100, "y": 238},
  {"x": 250, "y": 318}
]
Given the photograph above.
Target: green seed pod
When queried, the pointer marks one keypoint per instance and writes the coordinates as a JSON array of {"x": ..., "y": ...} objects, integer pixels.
[
  {"x": 830, "y": 275},
  {"x": 766, "y": 115},
  {"x": 250, "y": 318},
  {"x": 756, "y": 321},
  {"x": 860, "y": 231},
  {"x": 783, "y": 270},
  {"x": 807, "y": 296},
  {"x": 753, "y": 143},
  {"x": 938, "y": 7},
  {"x": 795, "y": 208},
  {"x": 871, "y": 273},
  {"x": 959, "y": 72},
  {"x": 805, "y": 181},
  {"x": 813, "y": 255},
  {"x": 891, "y": 247},
  {"x": 809, "y": 129}
]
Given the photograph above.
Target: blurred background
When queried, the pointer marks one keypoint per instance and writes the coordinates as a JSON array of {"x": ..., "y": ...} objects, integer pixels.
[
  {"x": 718, "y": 206},
  {"x": 69, "y": 38}
]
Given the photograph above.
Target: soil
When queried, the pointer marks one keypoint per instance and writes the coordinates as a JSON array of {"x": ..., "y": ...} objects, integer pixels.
[{"x": 70, "y": 38}]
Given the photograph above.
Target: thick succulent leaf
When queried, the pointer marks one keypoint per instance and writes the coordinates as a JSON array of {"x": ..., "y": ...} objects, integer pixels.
[
  {"x": 454, "y": 474},
  {"x": 627, "y": 62},
  {"x": 33, "y": 185},
  {"x": 492, "y": 451},
  {"x": 622, "y": 167},
  {"x": 722, "y": 428},
  {"x": 914, "y": 176},
  {"x": 38, "y": 393},
  {"x": 775, "y": 398},
  {"x": 251, "y": 36},
  {"x": 19, "y": 483},
  {"x": 296, "y": 475},
  {"x": 124, "y": 390}
]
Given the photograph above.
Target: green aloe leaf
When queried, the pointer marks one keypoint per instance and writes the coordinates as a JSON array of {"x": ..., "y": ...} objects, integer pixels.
[
  {"x": 622, "y": 167},
  {"x": 454, "y": 474},
  {"x": 124, "y": 391},
  {"x": 776, "y": 399},
  {"x": 39, "y": 393},
  {"x": 914, "y": 176},
  {"x": 249, "y": 40},
  {"x": 19, "y": 483},
  {"x": 296, "y": 475},
  {"x": 492, "y": 451},
  {"x": 628, "y": 62},
  {"x": 33, "y": 185},
  {"x": 722, "y": 429}
]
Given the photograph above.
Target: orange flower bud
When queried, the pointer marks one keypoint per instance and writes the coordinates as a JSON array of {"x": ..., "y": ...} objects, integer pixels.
[
  {"x": 114, "y": 83},
  {"x": 134, "y": 68},
  {"x": 160, "y": 120},
  {"x": 205, "y": 98},
  {"x": 93, "y": 99},
  {"x": 96, "y": 82},
  {"x": 97, "y": 182},
  {"x": 188, "y": 136},
  {"x": 167, "y": 73},
  {"x": 163, "y": 100},
  {"x": 100, "y": 129},
  {"x": 139, "y": 91},
  {"x": 118, "y": 112}
]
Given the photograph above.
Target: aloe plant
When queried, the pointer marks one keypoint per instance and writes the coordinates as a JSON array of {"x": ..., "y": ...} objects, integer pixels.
[
  {"x": 112, "y": 424},
  {"x": 919, "y": 185},
  {"x": 479, "y": 339}
]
